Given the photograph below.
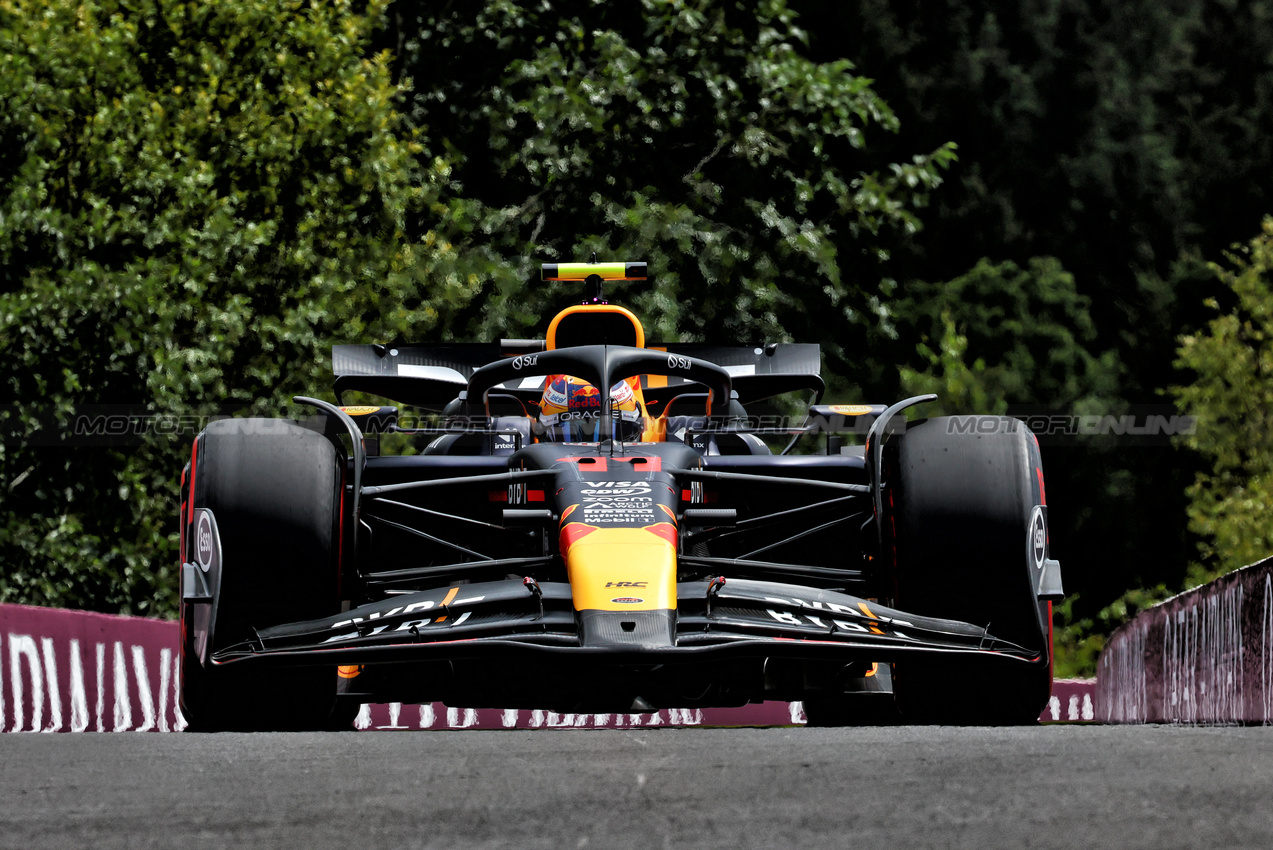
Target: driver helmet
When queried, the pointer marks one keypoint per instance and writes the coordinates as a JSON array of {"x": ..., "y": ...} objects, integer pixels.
[{"x": 570, "y": 411}]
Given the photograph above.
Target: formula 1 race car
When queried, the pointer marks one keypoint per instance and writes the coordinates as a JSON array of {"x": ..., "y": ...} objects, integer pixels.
[{"x": 591, "y": 523}]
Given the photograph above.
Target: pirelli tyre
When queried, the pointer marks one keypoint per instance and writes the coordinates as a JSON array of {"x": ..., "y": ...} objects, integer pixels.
[
  {"x": 265, "y": 494},
  {"x": 966, "y": 498}
]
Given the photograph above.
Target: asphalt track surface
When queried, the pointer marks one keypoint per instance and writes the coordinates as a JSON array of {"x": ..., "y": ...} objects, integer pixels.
[{"x": 1049, "y": 786}]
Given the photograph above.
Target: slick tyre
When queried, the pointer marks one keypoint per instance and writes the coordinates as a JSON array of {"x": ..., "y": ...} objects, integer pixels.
[
  {"x": 274, "y": 489},
  {"x": 965, "y": 493}
]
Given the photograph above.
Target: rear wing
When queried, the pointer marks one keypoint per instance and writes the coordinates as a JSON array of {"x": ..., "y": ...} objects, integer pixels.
[
  {"x": 430, "y": 376},
  {"x": 758, "y": 371},
  {"x": 427, "y": 376}
]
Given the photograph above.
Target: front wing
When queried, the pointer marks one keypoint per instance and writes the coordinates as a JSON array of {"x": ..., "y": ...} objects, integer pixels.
[{"x": 713, "y": 618}]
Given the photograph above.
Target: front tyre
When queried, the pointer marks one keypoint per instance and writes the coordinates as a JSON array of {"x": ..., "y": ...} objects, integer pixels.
[
  {"x": 274, "y": 491},
  {"x": 965, "y": 497}
]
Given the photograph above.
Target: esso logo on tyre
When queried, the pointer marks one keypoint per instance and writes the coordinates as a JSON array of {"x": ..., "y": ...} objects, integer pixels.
[
  {"x": 1037, "y": 538},
  {"x": 203, "y": 541}
]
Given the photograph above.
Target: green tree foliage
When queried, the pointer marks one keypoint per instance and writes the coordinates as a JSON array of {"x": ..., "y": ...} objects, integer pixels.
[
  {"x": 196, "y": 199},
  {"x": 960, "y": 386},
  {"x": 696, "y": 135},
  {"x": 1231, "y": 361},
  {"x": 1091, "y": 132},
  {"x": 1028, "y": 331}
]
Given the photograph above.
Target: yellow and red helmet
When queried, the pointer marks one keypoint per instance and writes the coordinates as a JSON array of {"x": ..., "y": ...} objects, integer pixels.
[{"x": 571, "y": 411}]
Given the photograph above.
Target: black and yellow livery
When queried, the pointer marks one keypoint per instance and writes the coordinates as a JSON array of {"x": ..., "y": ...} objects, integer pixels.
[{"x": 853, "y": 559}]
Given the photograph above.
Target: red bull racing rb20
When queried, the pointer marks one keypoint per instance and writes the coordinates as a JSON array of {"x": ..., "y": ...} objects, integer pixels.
[{"x": 593, "y": 523}]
